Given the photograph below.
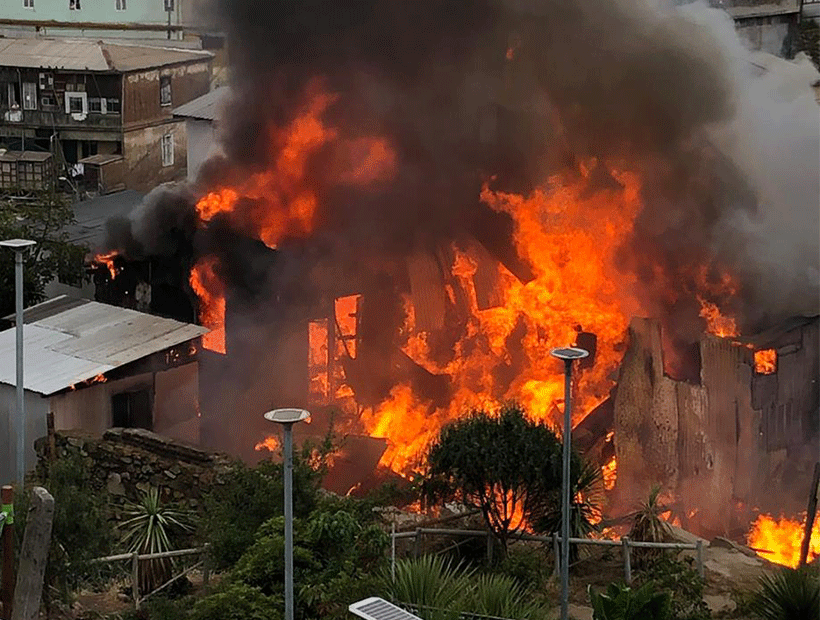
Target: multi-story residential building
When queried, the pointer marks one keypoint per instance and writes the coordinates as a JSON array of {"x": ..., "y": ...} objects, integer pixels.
[
  {"x": 80, "y": 98},
  {"x": 99, "y": 18}
]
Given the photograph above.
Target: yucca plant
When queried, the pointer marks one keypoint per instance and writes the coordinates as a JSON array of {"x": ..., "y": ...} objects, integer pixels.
[
  {"x": 648, "y": 526},
  {"x": 149, "y": 528},
  {"x": 434, "y": 587},
  {"x": 623, "y": 603},
  {"x": 789, "y": 594},
  {"x": 503, "y": 597}
]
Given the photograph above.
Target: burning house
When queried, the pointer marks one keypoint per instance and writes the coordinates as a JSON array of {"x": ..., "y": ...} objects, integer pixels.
[{"x": 407, "y": 214}]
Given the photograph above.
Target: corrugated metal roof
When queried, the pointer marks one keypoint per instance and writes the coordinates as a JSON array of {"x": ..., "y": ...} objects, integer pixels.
[
  {"x": 87, "y": 55},
  {"x": 91, "y": 216},
  {"x": 207, "y": 107},
  {"x": 85, "y": 340}
]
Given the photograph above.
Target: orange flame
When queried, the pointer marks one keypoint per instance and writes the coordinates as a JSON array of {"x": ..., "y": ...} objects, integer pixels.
[
  {"x": 717, "y": 323},
  {"x": 209, "y": 289},
  {"x": 270, "y": 443},
  {"x": 108, "y": 261},
  {"x": 570, "y": 238},
  {"x": 779, "y": 540},
  {"x": 610, "y": 474},
  {"x": 766, "y": 362},
  {"x": 101, "y": 378}
]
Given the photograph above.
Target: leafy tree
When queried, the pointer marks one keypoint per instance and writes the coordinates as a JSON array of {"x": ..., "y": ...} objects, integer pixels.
[
  {"x": 42, "y": 219},
  {"x": 792, "y": 594},
  {"x": 624, "y": 603},
  {"x": 237, "y": 601},
  {"x": 506, "y": 465},
  {"x": 250, "y": 496}
]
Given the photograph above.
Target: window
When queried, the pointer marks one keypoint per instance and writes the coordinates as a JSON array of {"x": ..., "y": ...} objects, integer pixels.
[
  {"x": 168, "y": 149},
  {"x": 74, "y": 5},
  {"x": 112, "y": 106},
  {"x": 76, "y": 103},
  {"x": 48, "y": 102},
  {"x": 46, "y": 81},
  {"x": 169, "y": 6},
  {"x": 165, "y": 90},
  {"x": 131, "y": 409},
  {"x": 28, "y": 4},
  {"x": 95, "y": 105},
  {"x": 12, "y": 99},
  {"x": 29, "y": 96},
  {"x": 120, "y": 5}
]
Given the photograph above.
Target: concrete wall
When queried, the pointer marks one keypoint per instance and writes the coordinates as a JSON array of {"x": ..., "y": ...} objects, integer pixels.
[
  {"x": 36, "y": 411},
  {"x": 176, "y": 403},
  {"x": 201, "y": 144},
  {"x": 766, "y": 34},
  {"x": 98, "y": 11}
]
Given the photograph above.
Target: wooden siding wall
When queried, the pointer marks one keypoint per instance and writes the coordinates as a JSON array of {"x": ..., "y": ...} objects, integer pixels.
[{"x": 141, "y": 91}]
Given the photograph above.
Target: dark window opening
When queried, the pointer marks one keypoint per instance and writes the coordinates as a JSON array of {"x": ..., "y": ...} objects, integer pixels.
[
  {"x": 131, "y": 410},
  {"x": 165, "y": 90}
]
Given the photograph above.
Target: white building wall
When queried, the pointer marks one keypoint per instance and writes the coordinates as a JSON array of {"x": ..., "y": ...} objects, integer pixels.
[
  {"x": 176, "y": 403},
  {"x": 201, "y": 145},
  {"x": 36, "y": 410}
]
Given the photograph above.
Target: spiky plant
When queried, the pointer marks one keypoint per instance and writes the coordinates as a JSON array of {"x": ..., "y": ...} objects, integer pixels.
[
  {"x": 624, "y": 603},
  {"x": 648, "y": 526},
  {"x": 434, "y": 587},
  {"x": 789, "y": 594},
  {"x": 149, "y": 528},
  {"x": 503, "y": 597}
]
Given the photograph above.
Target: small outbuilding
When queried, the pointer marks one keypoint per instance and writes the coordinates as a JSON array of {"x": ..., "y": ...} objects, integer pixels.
[{"x": 94, "y": 367}]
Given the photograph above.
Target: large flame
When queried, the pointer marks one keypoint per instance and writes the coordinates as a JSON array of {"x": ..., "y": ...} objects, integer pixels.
[
  {"x": 571, "y": 239},
  {"x": 779, "y": 540},
  {"x": 766, "y": 361}
]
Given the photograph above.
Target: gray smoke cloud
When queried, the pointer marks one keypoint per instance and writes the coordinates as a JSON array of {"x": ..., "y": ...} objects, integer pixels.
[{"x": 725, "y": 144}]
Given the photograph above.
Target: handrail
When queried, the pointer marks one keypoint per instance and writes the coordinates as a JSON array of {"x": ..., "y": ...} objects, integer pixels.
[{"x": 149, "y": 556}]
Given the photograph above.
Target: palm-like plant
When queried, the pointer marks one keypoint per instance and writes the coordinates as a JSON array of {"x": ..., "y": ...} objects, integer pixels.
[
  {"x": 790, "y": 594},
  {"x": 624, "y": 603},
  {"x": 149, "y": 528},
  {"x": 503, "y": 597},
  {"x": 435, "y": 587},
  {"x": 648, "y": 526}
]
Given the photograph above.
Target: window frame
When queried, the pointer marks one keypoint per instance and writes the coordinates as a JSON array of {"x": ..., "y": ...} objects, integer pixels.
[
  {"x": 74, "y": 95},
  {"x": 28, "y": 4},
  {"x": 121, "y": 5},
  {"x": 29, "y": 99},
  {"x": 167, "y": 150},
  {"x": 165, "y": 87}
]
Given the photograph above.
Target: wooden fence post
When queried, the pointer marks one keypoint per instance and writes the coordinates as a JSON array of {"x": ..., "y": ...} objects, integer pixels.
[
  {"x": 810, "y": 515},
  {"x": 417, "y": 550},
  {"x": 489, "y": 548},
  {"x": 627, "y": 560},
  {"x": 206, "y": 565},
  {"x": 135, "y": 579},
  {"x": 33, "y": 555},
  {"x": 699, "y": 552},
  {"x": 556, "y": 551},
  {"x": 51, "y": 443},
  {"x": 7, "y": 585}
]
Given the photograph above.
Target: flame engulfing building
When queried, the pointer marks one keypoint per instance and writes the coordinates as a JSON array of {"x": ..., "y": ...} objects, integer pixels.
[{"x": 743, "y": 436}]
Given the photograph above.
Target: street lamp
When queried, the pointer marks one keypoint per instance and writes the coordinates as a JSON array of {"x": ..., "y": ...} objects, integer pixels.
[
  {"x": 19, "y": 246},
  {"x": 287, "y": 418},
  {"x": 569, "y": 355}
]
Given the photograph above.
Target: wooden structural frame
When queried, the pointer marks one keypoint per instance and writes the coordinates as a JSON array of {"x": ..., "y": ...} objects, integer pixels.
[
  {"x": 625, "y": 543},
  {"x": 136, "y": 558}
]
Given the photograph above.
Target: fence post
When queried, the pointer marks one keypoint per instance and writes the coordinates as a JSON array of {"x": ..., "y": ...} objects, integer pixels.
[
  {"x": 417, "y": 550},
  {"x": 28, "y": 592},
  {"x": 699, "y": 551},
  {"x": 7, "y": 585},
  {"x": 489, "y": 548},
  {"x": 627, "y": 560},
  {"x": 556, "y": 551},
  {"x": 135, "y": 579}
]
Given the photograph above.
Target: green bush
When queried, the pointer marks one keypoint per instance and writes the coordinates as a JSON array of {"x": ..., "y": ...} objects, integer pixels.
[
  {"x": 623, "y": 603},
  {"x": 237, "y": 601},
  {"x": 249, "y": 497},
  {"x": 682, "y": 581},
  {"x": 503, "y": 597},
  {"x": 789, "y": 594},
  {"x": 527, "y": 565}
]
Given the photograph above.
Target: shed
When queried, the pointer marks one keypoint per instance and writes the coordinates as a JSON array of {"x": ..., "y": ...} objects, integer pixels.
[
  {"x": 103, "y": 174},
  {"x": 95, "y": 367},
  {"x": 26, "y": 170}
]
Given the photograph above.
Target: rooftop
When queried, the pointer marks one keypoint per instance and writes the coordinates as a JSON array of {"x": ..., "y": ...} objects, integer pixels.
[
  {"x": 89, "y": 55},
  {"x": 207, "y": 107},
  {"x": 67, "y": 341},
  {"x": 91, "y": 215}
]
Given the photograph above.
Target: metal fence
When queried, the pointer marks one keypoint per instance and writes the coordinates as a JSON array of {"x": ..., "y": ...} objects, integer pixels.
[
  {"x": 136, "y": 558},
  {"x": 625, "y": 543}
]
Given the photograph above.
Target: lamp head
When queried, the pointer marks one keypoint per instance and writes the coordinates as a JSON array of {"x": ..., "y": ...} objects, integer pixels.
[
  {"x": 287, "y": 416},
  {"x": 17, "y": 244},
  {"x": 569, "y": 353}
]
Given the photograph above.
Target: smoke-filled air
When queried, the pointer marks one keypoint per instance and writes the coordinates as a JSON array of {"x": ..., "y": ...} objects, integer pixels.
[{"x": 465, "y": 185}]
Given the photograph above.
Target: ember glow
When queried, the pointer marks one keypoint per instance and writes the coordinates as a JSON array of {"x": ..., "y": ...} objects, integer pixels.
[
  {"x": 270, "y": 443},
  {"x": 766, "y": 362},
  {"x": 779, "y": 540},
  {"x": 610, "y": 474}
]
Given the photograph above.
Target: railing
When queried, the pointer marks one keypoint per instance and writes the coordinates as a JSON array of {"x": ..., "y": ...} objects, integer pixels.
[
  {"x": 136, "y": 558},
  {"x": 625, "y": 543}
]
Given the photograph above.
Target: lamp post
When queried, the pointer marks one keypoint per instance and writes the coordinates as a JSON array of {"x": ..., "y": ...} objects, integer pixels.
[
  {"x": 287, "y": 418},
  {"x": 19, "y": 246},
  {"x": 569, "y": 355}
]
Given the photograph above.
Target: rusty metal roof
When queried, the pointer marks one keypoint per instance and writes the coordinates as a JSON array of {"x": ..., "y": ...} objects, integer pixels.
[
  {"x": 73, "y": 342},
  {"x": 88, "y": 55},
  {"x": 207, "y": 107}
]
